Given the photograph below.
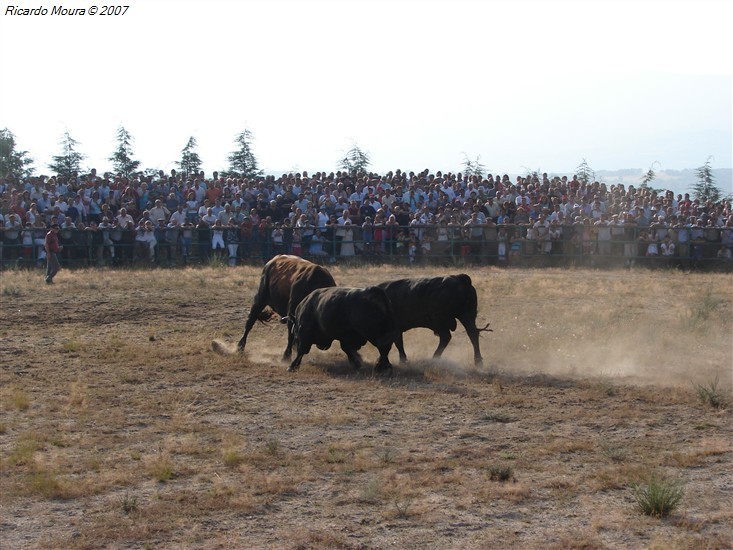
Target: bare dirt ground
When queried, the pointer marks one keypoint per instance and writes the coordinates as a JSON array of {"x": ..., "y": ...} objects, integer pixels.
[{"x": 121, "y": 428}]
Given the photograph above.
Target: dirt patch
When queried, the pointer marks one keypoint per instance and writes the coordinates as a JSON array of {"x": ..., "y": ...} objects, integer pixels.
[{"x": 121, "y": 426}]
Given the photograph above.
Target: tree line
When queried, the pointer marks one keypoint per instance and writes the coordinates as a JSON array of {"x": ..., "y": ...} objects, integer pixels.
[{"x": 243, "y": 162}]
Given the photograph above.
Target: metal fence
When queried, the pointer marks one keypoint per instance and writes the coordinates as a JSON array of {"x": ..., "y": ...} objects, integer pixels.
[{"x": 401, "y": 245}]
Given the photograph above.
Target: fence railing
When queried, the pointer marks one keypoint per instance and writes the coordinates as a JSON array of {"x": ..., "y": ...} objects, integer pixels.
[{"x": 171, "y": 249}]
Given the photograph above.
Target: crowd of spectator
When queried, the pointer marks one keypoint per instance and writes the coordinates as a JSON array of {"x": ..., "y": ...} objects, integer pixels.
[{"x": 177, "y": 218}]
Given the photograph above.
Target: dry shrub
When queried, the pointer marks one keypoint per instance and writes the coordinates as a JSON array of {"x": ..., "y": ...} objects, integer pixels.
[
  {"x": 615, "y": 476},
  {"x": 232, "y": 458},
  {"x": 658, "y": 496},
  {"x": 710, "y": 394},
  {"x": 78, "y": 396},
  {"x": 48, "y": 485},
  {"x": 23, "y": 452},
  {"x": 15, "y": 398},
  {"x": 513, "y": 492},
  {"x": 271, "y": 484},
  {"x": 576, "y": 541},
  {"x": 562, "y": 445},
  {"x": 315, "y": 539},
  {"x": 501, "y": 473},
  {"x": 161, "y": 467}
]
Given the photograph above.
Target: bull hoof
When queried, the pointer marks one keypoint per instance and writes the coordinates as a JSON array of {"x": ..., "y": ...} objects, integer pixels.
[
  {"x": 291, "y": 368},
  {"x": 380, "y": 368},
  {"x": 402, "y": 360}
]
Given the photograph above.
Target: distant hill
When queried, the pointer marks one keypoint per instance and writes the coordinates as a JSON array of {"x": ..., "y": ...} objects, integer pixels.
[{"x": 679, "y": 181}]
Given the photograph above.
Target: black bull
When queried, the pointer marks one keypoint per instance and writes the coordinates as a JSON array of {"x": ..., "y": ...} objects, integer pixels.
[
  {"x": 285, "y": 281},
  {"x": 353, "y": 316},
  {"x": 435, "y": 303}
]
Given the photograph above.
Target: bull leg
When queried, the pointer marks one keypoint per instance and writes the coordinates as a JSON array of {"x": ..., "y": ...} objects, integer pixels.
[
  {"x": 473, "y": 334},
  {"x": 291, "y": 336},
  {"x": 296, "y": 295},
  {"x": 400, "y": 345},
  {"x": 247, "y": 327},
  {"x": 302, "y": 347},
  {"x": 445, "y": 337},
  {"x": 257, "y": 308},
  {"x": 383, "y": 363},
  {"x": 353, "y": 356},
  {"x": 296, "y": 363}
]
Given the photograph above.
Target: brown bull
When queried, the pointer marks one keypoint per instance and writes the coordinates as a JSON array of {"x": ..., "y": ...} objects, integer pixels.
[{"x": 285, "y": 282}]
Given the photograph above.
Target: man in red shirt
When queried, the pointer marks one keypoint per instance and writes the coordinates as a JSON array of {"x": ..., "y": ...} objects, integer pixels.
[{"x": 52, "y": 247}]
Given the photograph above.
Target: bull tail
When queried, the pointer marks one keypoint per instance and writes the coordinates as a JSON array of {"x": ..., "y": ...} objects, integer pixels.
[{"x": 485, "y": 329}]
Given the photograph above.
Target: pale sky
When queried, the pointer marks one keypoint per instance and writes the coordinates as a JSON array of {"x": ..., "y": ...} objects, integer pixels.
[{"x": 418, "y": 84}]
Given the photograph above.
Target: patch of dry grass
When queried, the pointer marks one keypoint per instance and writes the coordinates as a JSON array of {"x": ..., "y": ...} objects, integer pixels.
[{"x": 123, "y": 411}]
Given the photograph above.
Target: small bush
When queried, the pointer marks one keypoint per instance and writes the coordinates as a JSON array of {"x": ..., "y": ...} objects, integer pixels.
[
  {"x": 232, "y": 458},
  {"x": 501, "y": 473},
  {"x": 711, "y": 395},
  {"x": 370, "y": 492},
  {"x": 386, "y": 455},
  {"x": 658, "y": 497},
  {"x": 20, "y": 400},
  {"x": 615, "y": 453},
  {"x": 335, "y": 455},
  {"x": 71, "y": 346},
  {"x": 700, "y": 313},
  {"x": 128, "y": 503},
  {"x": 161, "y": 467},
  {"x": 217, "y": 262},
  {"x": 402, "y": 506},
  {"x": 272, "y": 447},
  {"x": 500, "y": 418},
  {"x": 12, "y": 292},
  {"x": 22, "y": 454},
  {"x": 46, "y": 484}
]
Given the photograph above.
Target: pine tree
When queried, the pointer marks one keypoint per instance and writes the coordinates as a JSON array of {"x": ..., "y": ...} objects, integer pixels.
[
  {"x": 648, "y": 177},
  {"x": 13, "y": 162},
  {"x": 473, "y": 168},
  {"x": 242, "y": 161},
  {"x": 355, "y": 160},
  {"x": 69, "y": 161},
  {"x": 121, "y": 159},
  {"x": 705, "y": 188},
  {"x": 585, "y": 173},
  {"x": 190, "y": 161}
]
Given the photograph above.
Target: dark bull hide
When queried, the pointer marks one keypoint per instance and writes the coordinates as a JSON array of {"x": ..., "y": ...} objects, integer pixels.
[
  {"x": 353, "y": 316},
  {"x": 435, "y": 303}
]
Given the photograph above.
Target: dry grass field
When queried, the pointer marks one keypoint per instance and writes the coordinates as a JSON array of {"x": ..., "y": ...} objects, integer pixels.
[{"x": 121, "y": 428}]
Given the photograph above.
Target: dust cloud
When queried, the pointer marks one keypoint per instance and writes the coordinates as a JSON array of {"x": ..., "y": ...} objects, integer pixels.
[{"x": 638, "y": 358}]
